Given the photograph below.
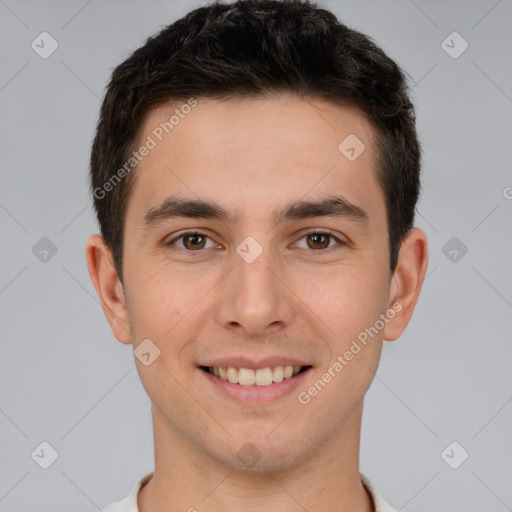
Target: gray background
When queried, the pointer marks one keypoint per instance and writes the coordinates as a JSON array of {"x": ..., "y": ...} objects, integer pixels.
[{"x": 65, "y": 379}]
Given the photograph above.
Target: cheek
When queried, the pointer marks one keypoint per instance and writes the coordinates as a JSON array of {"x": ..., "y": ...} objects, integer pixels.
[
  {"x": 345, "y": 299},
  {"x": 169, "y": 308},
  {"x": 161, "y": 299}
]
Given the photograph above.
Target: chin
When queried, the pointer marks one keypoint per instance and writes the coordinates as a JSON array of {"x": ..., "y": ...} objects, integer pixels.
[{"x": 258, "y": 455}]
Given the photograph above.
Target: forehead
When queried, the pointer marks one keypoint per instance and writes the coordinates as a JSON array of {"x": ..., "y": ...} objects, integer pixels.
[{"x": 255, "y": 153}]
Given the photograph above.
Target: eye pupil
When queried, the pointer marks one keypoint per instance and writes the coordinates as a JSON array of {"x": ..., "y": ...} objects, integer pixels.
[
  {"x": 194, "y": 237},
  {"x": 319, "y": 239}
]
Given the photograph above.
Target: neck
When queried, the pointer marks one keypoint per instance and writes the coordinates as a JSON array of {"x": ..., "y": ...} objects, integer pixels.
[{"x": 187, "y": 479}]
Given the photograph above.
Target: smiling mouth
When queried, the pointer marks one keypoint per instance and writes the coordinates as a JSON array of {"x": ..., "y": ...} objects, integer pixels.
[{"x": 249, "y": 377}]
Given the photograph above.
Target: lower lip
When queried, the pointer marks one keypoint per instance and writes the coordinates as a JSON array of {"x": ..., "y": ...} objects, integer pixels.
[{"x": 255, "y": 395}]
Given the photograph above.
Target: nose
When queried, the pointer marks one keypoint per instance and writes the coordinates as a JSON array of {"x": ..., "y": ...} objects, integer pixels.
[{"x": 254, "y": 298}]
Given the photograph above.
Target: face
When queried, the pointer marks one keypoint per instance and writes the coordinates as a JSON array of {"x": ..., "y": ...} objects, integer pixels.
[{"x": 281, "y": 261}]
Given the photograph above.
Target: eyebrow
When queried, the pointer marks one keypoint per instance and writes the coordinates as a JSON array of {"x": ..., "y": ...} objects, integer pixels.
[{"x": 173, "y": 207}]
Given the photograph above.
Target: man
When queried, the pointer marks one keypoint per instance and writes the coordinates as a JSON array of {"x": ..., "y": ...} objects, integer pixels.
[{"x": 255, "y": 173}]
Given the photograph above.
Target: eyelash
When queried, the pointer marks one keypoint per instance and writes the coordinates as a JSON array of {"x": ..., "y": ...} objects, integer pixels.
[{"x": 314, "y": 232}]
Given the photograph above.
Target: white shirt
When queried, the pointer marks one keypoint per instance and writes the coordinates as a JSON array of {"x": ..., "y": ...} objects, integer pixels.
[{"x": 129, "y": 504}]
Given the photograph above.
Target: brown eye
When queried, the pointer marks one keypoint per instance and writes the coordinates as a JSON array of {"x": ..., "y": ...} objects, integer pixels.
[
  {"x": 194, "y": 241},
  {"x": 318, "y": 240},
  {"x": 191, "y": 241}
]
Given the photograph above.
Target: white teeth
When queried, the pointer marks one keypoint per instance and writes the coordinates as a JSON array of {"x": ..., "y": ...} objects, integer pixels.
[
  {"x": 277, "y": 374},
  {"x": 246, "y": 377},
  {"x": 263, "y": 377},
  {"x": 250, "y": 377},
  {"x": 233, "y": 375}
]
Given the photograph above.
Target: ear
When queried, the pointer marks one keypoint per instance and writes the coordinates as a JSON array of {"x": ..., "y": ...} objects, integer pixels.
[
  {"x": 108, "y": 286},
  {"x": 406, "y": 282}
]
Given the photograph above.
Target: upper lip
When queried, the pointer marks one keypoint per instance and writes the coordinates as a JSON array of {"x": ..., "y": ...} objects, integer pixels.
[{"x": 244, "y": 362}]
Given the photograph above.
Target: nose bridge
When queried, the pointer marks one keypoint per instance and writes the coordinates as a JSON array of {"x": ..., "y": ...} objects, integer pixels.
[
  {"x": 253, "y": 297},
  {"x": 254, "y": 277}
]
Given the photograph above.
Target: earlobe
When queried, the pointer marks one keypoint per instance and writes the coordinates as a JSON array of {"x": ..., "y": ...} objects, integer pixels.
[
  {"x": 108, "y": 286},
  {"x": 406, "y": 282}
]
